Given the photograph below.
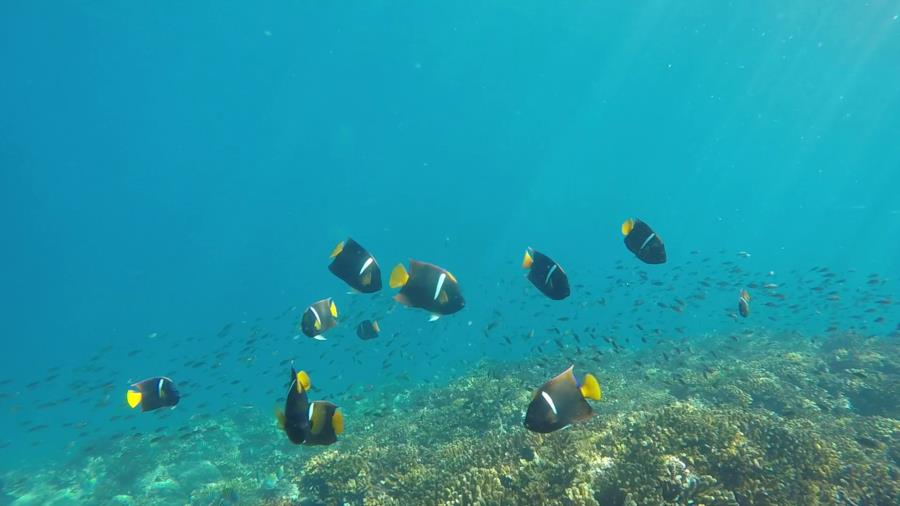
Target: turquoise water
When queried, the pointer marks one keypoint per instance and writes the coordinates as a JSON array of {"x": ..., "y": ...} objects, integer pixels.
[{"x": 168, "y": 169}]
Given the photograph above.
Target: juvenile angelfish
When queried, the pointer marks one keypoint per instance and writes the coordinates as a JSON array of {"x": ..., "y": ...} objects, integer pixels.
[{"x": 561, "y": 402}]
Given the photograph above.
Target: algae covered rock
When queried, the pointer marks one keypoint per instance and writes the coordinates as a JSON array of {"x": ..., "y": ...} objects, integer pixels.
[
  {"x": 122, "y": 500},
  {"x": 195, "y": 473}
]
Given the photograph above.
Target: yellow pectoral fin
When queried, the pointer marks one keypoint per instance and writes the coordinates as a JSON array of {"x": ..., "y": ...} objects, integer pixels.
[
  {"x": 443, "y": 297},
  {"x": 279, "y": 415},
  {"x": 527, "y": 260},
  {"x": 399, "y": 276},
  {"x": 590, "y": 388},
  {"x": 376, "y": 327},
  {"x": 333, "y": 310},
  {"x": 133, "y": 398},
  {"x": 337, "y": 422},
  {"x": 366, "y": 279},
  {"x": 337, "y": 249},
  {"x": 303, "y": 381},
  {"x": 318, "y": 325},
  {"x": 627, "y": 226}
]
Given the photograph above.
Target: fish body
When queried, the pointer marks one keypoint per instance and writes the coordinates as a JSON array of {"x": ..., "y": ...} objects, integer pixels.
[
  {"x": 744, "y": 304},
  {"x": 153, "y": 393},
  {"x": 367, "y": 329},
  {"x": 318, "y": 318},
  {"x": 355, "y": 266},
  {"x": 561, "y": 402},
  {"x": 326, "y": 423},
  {"x": 641, "y": 240},
  {"x": 427, "y": 286},
  {"x": 545, "y": 274},
  {"x": 294, "y": 420}
]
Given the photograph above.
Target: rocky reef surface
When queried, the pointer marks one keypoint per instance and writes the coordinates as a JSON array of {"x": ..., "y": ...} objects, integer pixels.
[{"x": 769, "y": 420}]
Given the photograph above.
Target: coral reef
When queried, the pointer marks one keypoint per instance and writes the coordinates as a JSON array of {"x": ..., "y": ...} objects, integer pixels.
[
  {"x": 770, "y": 428},
  {"x": 768, "y": 421}
]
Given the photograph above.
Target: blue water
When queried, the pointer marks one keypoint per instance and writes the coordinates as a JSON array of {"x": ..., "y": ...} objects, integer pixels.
[{"x": 170, "y": 168}]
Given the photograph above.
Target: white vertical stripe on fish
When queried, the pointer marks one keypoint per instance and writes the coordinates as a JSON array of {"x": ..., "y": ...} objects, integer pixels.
[
  {"x": 647, "y": 241},
  {"x": 549, "y": 401},
  {"x": 440, "y": 284},
  {"x": 550, "y": 273}
]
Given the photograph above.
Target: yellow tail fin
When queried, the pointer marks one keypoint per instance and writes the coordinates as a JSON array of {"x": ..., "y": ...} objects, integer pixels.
[
  {"x": 527, "y": 260},
  {"x": 627, "y": 226},
  {"x": 590, "y": 388},
  {"x": 303, "y": 381},
  {"x": 337, "y": 249},
  {"x": 337, "y": 422},
  {"x": 399, "y": 276},
  {"x": 333, "y": 309},
  {"x": 133, "y": 398}
]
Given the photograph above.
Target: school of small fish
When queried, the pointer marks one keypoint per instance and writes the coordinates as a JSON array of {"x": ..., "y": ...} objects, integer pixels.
[{"x": 676, "y": 301}]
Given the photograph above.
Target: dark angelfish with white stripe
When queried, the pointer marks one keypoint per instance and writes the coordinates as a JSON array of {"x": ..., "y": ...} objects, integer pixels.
[
  {"x": 326, "y": 423},
  {"x": 643, "y": 241},
  {"x": 561, "y": 402},
  {"x": 428, "y": 287},
  {"x": 294, "y": 419},
  {"x": 355, "y": 266},
  {"x": 367, "y": 329},
  {"x": 547, "y": 275},
  {"x": 153, "y": 393},
  {"x": 318, "y": 318}
]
